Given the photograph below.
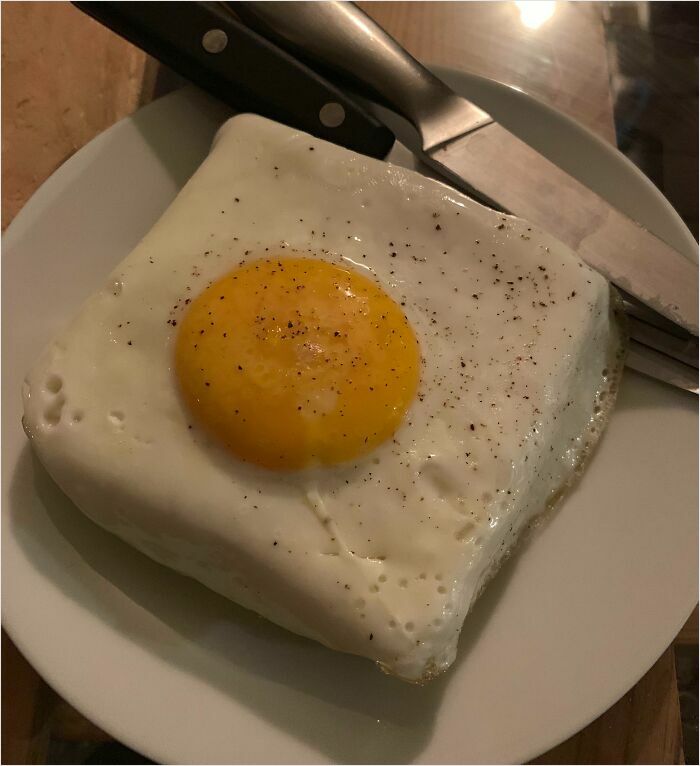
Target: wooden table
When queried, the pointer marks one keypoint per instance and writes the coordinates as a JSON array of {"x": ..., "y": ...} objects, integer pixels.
[{"x": 65, "y": 79}]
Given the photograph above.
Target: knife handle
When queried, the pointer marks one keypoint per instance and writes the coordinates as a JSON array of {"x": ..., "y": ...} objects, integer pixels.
[
  {"x": 203, "y": 42},
  {"x": 338, "y": 37}
]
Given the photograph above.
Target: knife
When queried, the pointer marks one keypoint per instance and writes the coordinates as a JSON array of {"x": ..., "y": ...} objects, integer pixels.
[
  {"x": 206, "y": 44},
  {"x": 476, "y": 154}
]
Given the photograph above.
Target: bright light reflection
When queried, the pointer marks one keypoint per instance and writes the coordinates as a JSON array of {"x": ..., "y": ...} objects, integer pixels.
[
  {"x": 534, "y": 13},
  {"x": 355, "y": 263}
]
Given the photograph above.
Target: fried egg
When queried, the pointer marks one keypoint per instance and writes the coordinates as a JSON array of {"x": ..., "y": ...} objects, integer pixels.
[{"x": 330, "y": 389}]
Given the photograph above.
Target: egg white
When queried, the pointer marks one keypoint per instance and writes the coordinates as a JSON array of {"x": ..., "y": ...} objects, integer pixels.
[{"x": 385, "y": 556}]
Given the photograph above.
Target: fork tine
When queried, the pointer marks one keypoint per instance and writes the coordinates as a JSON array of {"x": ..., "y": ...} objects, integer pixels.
[
  {"x": 636, "y": 309},
  {"x": 683, "y": 349},
  {"x": 661, "y": 366}
]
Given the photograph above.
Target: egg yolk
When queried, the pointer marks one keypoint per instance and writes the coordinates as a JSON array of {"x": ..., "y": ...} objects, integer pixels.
[{"x": 296, "y": 362}]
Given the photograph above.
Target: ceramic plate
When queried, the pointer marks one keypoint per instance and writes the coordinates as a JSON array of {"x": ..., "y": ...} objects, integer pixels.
[{"x": 182, "y": 675}]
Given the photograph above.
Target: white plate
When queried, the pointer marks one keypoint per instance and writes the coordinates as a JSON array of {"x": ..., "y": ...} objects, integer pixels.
[{"x": 182, "y": 675}]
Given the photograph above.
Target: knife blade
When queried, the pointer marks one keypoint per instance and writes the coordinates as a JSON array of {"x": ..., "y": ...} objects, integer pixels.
[
  {"x": 473, "y": 152},
  {"x": 497, "y": 164}
]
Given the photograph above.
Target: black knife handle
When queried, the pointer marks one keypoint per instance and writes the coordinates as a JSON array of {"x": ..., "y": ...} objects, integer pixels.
[{"x": 204, "y": 43}]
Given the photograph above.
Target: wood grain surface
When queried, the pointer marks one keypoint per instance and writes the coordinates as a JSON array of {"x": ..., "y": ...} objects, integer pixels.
[{"x": 65, "y": 79}]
